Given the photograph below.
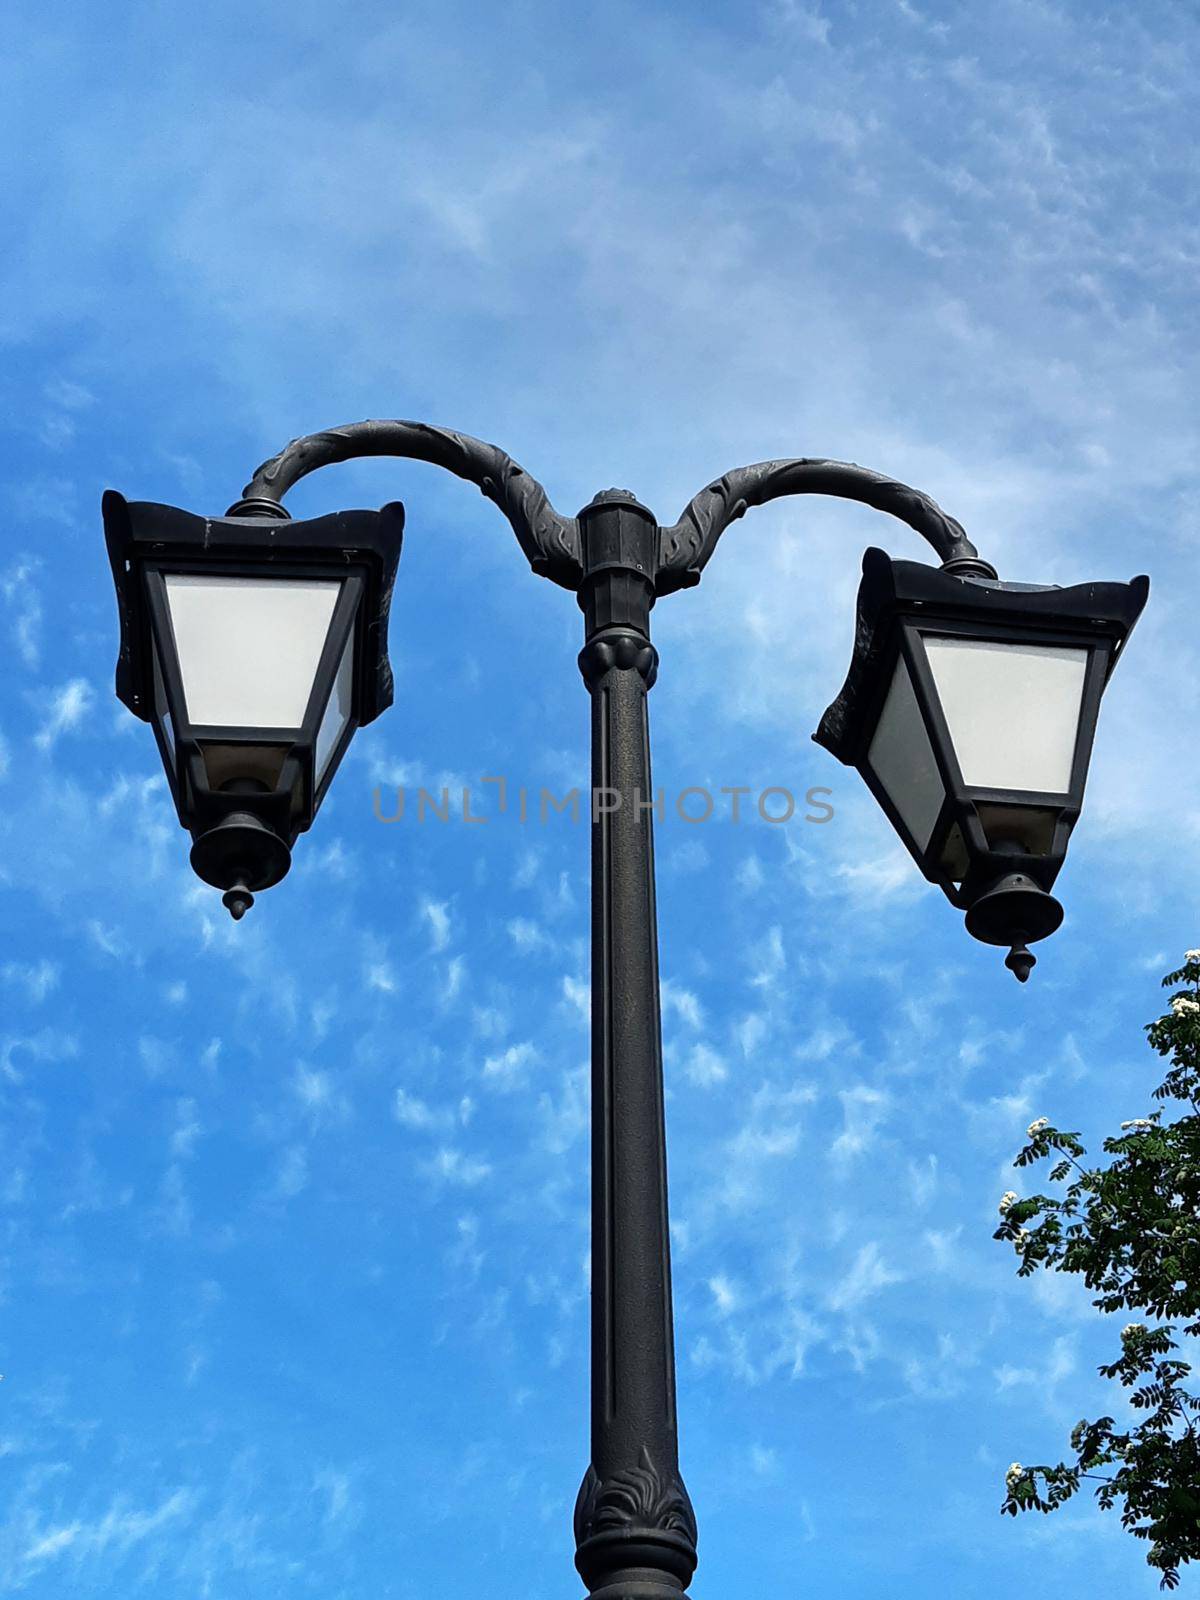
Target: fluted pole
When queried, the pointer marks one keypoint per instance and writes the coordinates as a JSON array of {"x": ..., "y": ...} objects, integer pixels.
[{"x": 634, "y": 1526}]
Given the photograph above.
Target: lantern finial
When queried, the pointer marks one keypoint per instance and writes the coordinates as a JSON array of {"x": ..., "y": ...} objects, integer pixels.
[
  {"x": 1020, "y": 961},
  {"x": 237, "y": 901}
]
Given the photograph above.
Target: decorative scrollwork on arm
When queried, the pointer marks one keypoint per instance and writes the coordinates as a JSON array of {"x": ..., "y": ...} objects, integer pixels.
[
  {"x": 687, "y": 546},
  {"x": 551, "y": 542}
]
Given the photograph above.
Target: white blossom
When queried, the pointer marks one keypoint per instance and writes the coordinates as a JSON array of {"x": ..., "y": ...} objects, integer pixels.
[
  {"x": 1131, "y": 1329},
  {"x": 1192, "y": 955},
  {"x": 1014, "y": 1475},
  {"x": 1184, "y": 1006},
  {"x": 1035, "y": 1128},
  {"x": 1137, "y": 1124},
  {"x": 1020, "y": 1238},
  {"x": 1007, "y": 1199}
]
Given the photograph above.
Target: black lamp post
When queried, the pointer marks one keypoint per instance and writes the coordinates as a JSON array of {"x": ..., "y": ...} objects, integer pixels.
[{"x": 256, "y": 645}]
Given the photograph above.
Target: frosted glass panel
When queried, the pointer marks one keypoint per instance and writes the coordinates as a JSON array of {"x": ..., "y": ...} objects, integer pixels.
[
  {"x": 1031, "y": 828},
  {"x": 337, "y": 712},
  {"x": 1012, "y": 710},
  {"x": 901, "y": 757},
  {"x": 954, "y": 860},
  {"x": 249, "y": 647}
]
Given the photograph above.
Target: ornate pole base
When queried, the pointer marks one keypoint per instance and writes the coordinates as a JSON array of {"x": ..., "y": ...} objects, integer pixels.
[{"x": 635, "y": 1534}]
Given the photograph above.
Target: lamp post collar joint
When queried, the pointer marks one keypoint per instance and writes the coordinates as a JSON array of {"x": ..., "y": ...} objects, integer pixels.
[
  {"x": 259, "y": 506},
  {"x": 619, "y": 539}
]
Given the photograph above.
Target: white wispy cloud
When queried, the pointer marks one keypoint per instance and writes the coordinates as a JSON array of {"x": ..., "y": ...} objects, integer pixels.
[
  {"x": 704, "y": 1067},
  {"x": 509, "y": 1069},
  {"x": 863, "y": 1110},
  {"x": 456, "y": 1167},
  {"x": 324, "y": 1100},
  {"x": 526, "y": 935},
  {"x": 725, "y": 1295},
  {"x": 1043, "y": 1377},
  {"x": 291, "y": 1173},
  {"x": 682, "y": 1003},
  {"x": 24, "y": 605},
  {"x": 65, "y": 709},
  {"x": 120, "y": 1528},
  {"x": 187, "y": 1129},
  {"x": 867, "y": 1275},
  {"x": 37, "y": 980},
  {"x": 412, "y": 1112},
  {"x": 47, "y": 1045},
  {"x": 578, "y": 995},
  {"x": 436, "y": 914},
  {"x": 565, "y": 1116}
]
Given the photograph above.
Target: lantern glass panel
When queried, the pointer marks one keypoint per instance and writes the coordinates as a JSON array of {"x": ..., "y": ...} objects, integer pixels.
[
  {"x": 1012, "y": 710},
  {"x": 954, "y": 859},
  {"x": 225, "y": 764},
  {"x": 337, "y": 712},
  {"x": 249, "y": 648},
  {"x": 1030, "y": 828},
  {"x": 902, "y": 759}
]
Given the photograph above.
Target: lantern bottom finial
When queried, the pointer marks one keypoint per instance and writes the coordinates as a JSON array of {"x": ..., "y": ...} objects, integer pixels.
[
  {"x": 237, "y": 901},
  {"x": 1020, "y": 961},
  {"x": 1016, "y": 912},
  {"x": 242, "y": 856}
]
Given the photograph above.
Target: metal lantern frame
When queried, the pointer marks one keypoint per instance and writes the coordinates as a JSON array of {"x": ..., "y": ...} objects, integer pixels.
[
  {"x": 216, "y": 771},
  {"x": 903, "y": 603}
]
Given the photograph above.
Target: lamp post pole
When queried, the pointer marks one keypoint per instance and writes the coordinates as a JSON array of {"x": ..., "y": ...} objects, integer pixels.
[
  {"x": 247, "y": 784},
  {"x": 635, "y": 1530}
]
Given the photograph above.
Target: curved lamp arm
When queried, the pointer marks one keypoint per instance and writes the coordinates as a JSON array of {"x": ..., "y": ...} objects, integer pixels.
[
  {"x": 551, "y": 542},
  {"x": 687, "y": 546}
]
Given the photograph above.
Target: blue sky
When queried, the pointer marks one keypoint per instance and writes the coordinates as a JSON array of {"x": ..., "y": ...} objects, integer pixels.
[{"x": 293, "y": 1291}]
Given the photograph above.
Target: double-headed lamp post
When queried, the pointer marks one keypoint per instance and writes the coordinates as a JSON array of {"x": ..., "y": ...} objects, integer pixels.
[{"x": 255, "y": 646}]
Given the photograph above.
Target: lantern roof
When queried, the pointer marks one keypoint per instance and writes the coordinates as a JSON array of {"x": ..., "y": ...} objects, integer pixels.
[{"x": 889, "y": 589}]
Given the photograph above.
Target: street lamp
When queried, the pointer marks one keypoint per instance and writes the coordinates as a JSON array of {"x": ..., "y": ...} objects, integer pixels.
[{"x": 256, "y": 645}]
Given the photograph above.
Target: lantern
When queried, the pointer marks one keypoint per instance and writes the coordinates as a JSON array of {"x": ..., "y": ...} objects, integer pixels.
[
  {"x": 970, "y": 709},
  {"x": 254, "y": 646}
]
